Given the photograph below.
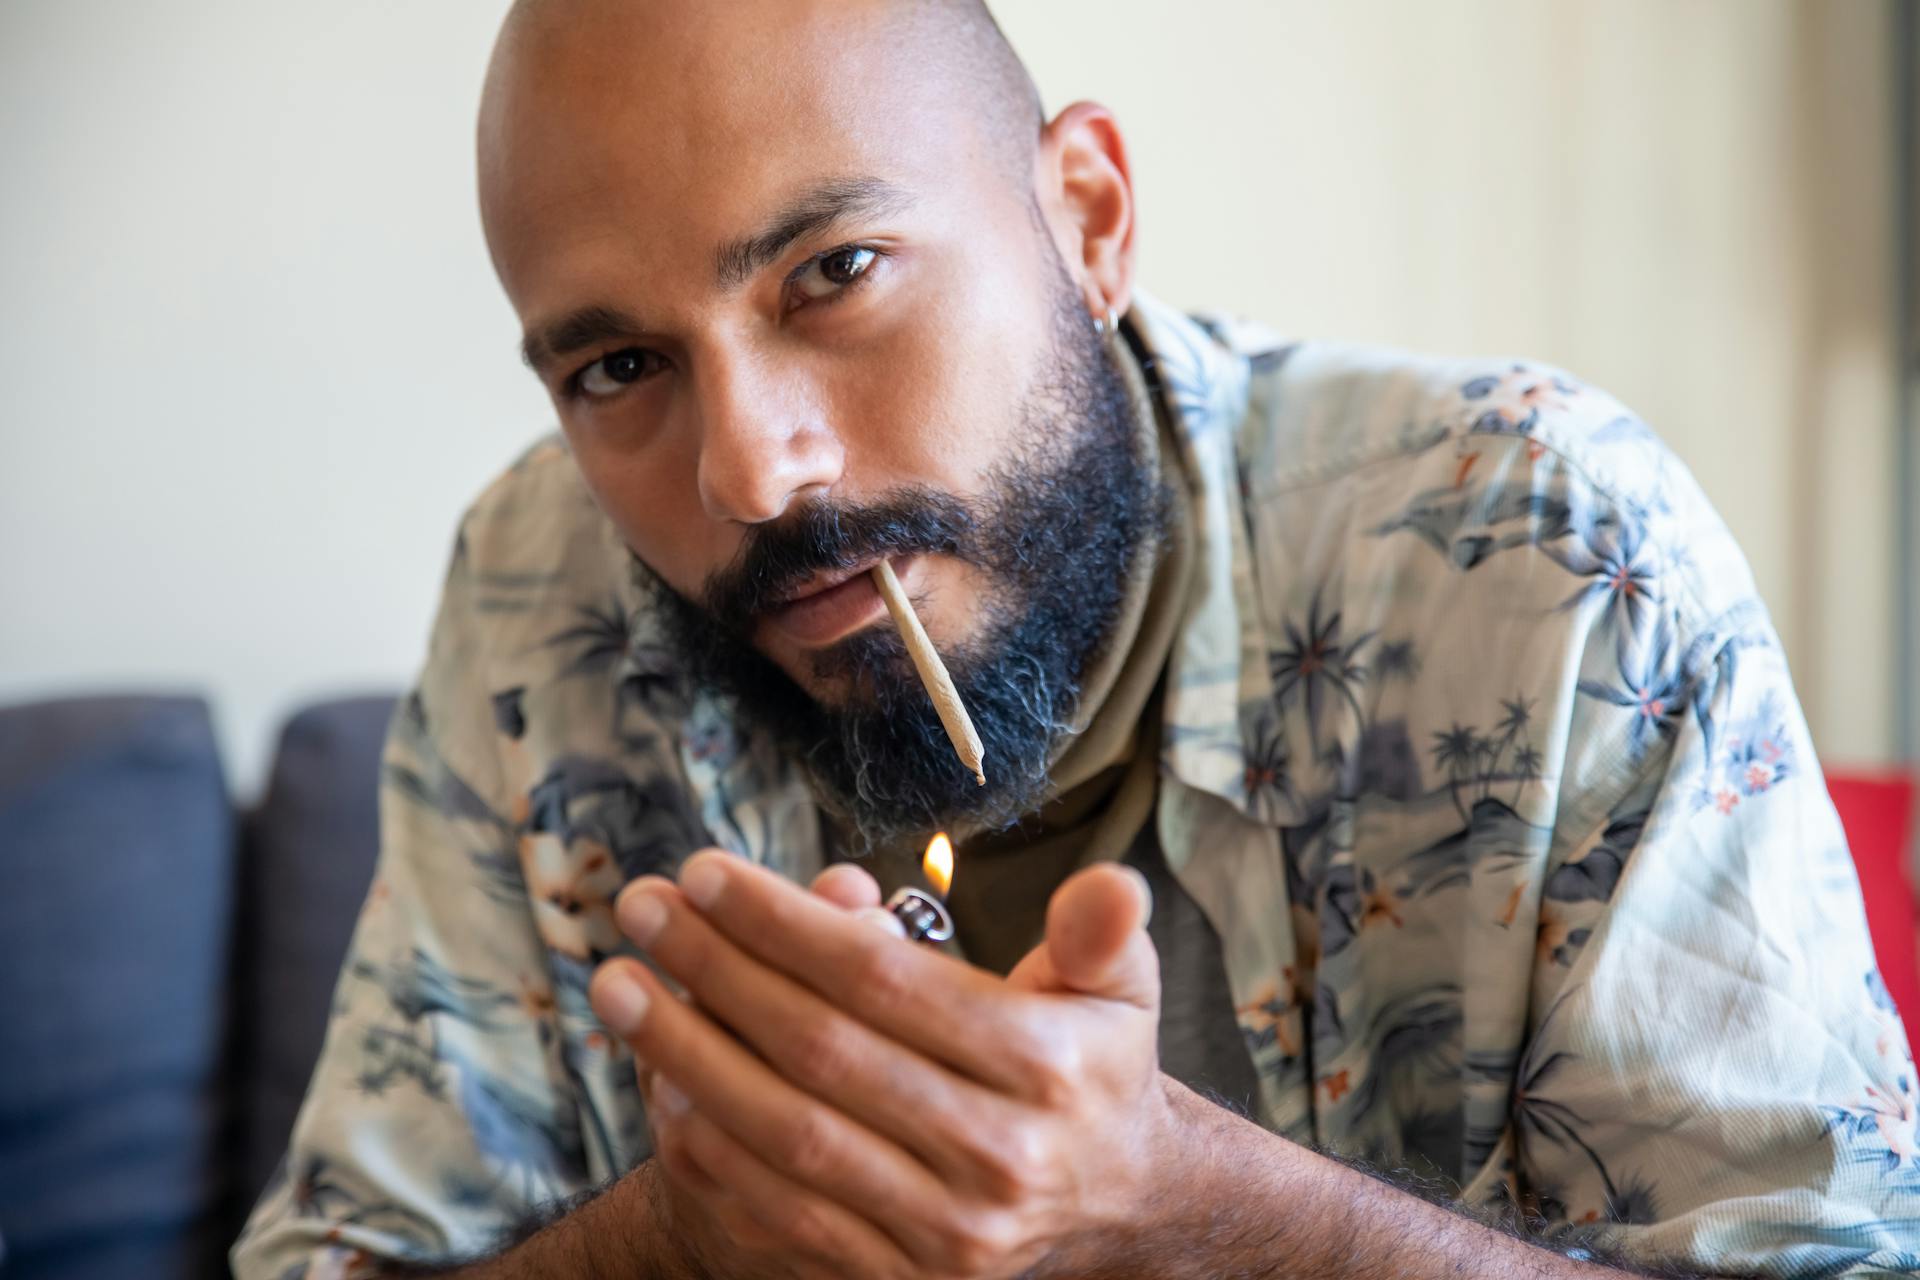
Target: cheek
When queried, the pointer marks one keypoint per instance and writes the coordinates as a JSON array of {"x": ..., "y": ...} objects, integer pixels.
[
  {"x": 928, "y": 396},
  {"x": 936, "y": 400},
  {"x": 651, "y": 497}
]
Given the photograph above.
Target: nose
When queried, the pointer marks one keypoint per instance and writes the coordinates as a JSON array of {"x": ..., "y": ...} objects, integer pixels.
[{"x": 763, "y": 440}]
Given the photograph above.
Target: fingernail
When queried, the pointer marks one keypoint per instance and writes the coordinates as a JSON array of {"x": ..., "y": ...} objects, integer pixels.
[
  {"x": 668, "y": 1100},
  {"x": 642, "y": 915},
  {"x": 882, "y": 918},
  {"x": 1146, "y": 893},
  {"x": 621, "y": 1001},
  {"x": 701, "y": 879}
]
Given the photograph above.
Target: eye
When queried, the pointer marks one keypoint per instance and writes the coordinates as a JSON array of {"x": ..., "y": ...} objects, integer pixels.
[
  {"x": 605, "y": 376},
  {"x": 831, "y": 272}
]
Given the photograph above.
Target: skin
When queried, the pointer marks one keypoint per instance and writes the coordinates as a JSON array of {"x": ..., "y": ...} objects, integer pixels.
[
  {"x": 599, "y": 188},
  {"x": 828, "y": 1100}
]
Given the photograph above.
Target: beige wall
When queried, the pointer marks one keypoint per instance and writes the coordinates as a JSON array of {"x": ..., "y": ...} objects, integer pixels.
[
  {"x": 252, "y": 360},
  {"x": 1687, "y": 203}
]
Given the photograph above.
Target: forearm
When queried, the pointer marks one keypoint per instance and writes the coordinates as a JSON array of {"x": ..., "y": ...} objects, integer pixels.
[
  {"x": 1265, "y": 1207},
  {"x": 622, "y": 1233}
]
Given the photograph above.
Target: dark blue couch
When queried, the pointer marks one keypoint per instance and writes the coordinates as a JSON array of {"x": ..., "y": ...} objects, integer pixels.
[{"x": 165, "y": 968}]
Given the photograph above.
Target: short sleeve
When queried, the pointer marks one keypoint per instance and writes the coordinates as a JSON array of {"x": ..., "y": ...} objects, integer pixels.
[
  {"x": 1718, "y": 1071},
  {"x": 441, "y": 1108}
]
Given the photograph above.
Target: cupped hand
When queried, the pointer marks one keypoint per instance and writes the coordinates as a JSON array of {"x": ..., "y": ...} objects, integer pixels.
[{"x": 844, "y": 1103}]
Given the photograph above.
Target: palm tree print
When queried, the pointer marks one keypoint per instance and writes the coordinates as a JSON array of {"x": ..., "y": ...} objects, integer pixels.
[
  {"x": 1316, "y": 664},
  {"x": 1469, "y": 524},
  {"x": 1396, "y": 658},
  {"x": 1475, "y": 762},
  {"x": 1620, "y": 569},
  {"x": 1540, "y": 1118},
  {"x": 599, "y": 638},
  {"x": 1457, "y": 750},
  {"x": 1414, "y": 601},
  {"x": 602, "y": 640},
  {"x": 1526, "y": 768},
  {"x": 1651, "y": 686},
  {"x": 1516, "y": 715},
  {"x": 1267, "y": 775}
]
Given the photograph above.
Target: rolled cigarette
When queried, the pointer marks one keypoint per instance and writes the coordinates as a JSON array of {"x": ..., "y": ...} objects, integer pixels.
[{"x": 933, "y": 672}]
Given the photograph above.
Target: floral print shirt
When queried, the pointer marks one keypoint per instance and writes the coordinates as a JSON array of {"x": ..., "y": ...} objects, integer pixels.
[{"x": 1480, "y": 755}]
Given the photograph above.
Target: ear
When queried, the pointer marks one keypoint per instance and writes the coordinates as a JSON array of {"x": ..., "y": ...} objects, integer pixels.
[{"x": 1086, "y": 193}]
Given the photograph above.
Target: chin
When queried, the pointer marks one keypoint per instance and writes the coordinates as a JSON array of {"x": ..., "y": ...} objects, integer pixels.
[
  {"x": 831, "y": 677},
  {"x": 834, "y": 693}
]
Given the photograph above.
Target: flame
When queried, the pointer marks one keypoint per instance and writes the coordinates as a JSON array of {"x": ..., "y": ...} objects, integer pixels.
[{"x": 939, "y": 862}]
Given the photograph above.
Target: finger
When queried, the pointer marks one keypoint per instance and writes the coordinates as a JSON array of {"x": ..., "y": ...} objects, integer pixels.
[
  {"x": 883, "y": 920},
  {"x": 796, "y": 1218},
  {"x": 918, "y": 996},
  {"x": 670, "y": 1149},
  {"x": 1096, "y": 942},
  {"x": 846, "y": 885},
  {"x": 938, "y": 1115},
  {"x": 685, "y": 1185},
  {"x": 808, "y": 1141}
]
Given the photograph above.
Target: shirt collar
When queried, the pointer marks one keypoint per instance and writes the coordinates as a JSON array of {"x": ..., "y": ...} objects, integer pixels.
[{"x": 1220, "y": 735}]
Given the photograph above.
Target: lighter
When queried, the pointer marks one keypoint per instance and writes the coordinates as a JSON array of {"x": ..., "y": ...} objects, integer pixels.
[{"x": 922, "y": 914}]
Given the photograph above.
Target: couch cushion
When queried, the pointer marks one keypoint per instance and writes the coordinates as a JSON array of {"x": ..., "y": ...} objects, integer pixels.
[
  {"x": 308, "y": 858},
  {"x": 117, "y": 863}
]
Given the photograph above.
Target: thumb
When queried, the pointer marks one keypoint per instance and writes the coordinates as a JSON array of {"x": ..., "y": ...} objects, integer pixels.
[{"x": 1096, "y": 942}]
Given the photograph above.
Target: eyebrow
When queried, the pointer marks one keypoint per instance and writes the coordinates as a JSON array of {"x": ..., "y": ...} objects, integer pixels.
[
  {"x": 576, "y": 331},
  {"x": 835, "y": 200},
  {"x": 736, "y": 262}
]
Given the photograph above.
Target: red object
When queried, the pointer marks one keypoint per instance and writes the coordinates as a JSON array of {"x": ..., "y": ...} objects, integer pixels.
[{"x": 1877, "y": 811}]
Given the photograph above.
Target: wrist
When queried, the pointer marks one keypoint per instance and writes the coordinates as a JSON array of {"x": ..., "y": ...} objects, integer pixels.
[
  {"x": 1170, "y": 1204},
  {"x": 662, "y": 1244},
  {"x": 1218, "y": 1164},
  {"x": 1209, "y": 1164}
]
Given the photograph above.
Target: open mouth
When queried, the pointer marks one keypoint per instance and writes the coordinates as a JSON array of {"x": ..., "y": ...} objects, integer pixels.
[{"x": 831, "y": 606}]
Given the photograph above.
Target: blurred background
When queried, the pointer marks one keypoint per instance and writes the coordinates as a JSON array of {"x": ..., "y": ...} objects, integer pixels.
[
  {"x": 253, "y": 364},
  {"x": 253, "y": 360}
]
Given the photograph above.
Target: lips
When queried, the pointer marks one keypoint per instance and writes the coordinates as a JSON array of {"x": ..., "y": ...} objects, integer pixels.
[
  {"x": 826, "y": 582},
  {"x": 831, "y": 606}
]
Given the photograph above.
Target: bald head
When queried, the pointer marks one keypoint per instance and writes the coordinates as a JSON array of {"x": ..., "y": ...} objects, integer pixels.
[{"x": 952, "y": 50}]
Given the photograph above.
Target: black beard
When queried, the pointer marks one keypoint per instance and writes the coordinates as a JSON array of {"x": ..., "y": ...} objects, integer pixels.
[{"x": 1056, "y": 535}]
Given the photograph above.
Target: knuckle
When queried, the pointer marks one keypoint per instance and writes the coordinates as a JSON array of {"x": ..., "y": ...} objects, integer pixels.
[
  {"x": 978, "y": 1241},
  {"x": 745, "y": 1230},
  {"x": 1053, "y": 1066},
  {"x": 820, "y": 1055},
  {"x": 671, "y": 1149},
  {"x": 806, "y": 1229},
  {"x": 792, "y": 1226},
  {"x": 880, "y": 974},
  {"x": 809, "y": 1145},
  {"x": 1010, "y": 1173}
]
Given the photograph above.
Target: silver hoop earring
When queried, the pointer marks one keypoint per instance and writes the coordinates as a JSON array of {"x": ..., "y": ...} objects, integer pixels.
[{"x": 1107, "y": 324}]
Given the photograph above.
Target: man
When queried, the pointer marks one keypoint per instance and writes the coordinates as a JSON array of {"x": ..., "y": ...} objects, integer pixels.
[{"x": 1389, "y": 764}]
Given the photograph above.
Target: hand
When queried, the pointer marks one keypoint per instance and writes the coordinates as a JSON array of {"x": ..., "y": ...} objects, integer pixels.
[
  {"x": 886, "y": 1110},
  {"x": 696, "y": 1220}
]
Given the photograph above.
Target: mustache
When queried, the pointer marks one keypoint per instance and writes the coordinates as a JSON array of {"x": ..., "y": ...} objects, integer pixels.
[{"x": 824, "y": 536}]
